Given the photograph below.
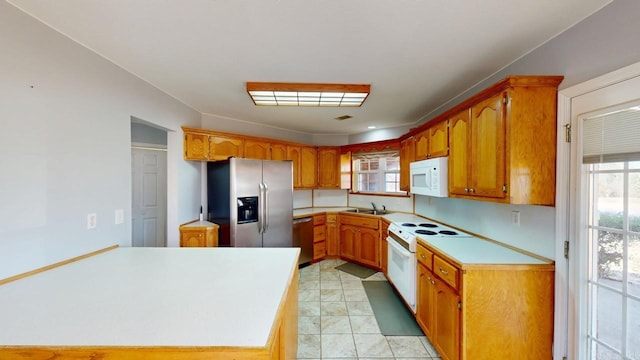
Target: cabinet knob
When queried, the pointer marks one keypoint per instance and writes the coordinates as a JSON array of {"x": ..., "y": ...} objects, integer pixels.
[
  {"x": 445, "y": 272},
  {"x": 422, "y": 256},
  {"x": 466, "y": 190},
  {"x": 433, "y": 282},
  {"x": 471, "y": 190}
]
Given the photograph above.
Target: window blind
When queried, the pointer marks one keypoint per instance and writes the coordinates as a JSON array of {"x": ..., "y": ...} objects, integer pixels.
[{"x": 612, "y": 137}]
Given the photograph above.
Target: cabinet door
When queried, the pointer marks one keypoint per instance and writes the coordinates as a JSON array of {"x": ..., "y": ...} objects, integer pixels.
[
  {"x": 329, "y": 168},
  {"x": 422, "y": 145},
  {"x": 407, "y": 155},
  {"x": 196, "y": 146},
  {"x": 459, "y": 132},
  {"x": 487, "y": 156},
  {"x": 368, "y": 245},
  {"x": 333, "y": 248},
  {"x": 447, "y": 321},
  {"x": 257, "y": 150},
  {"x": 278, "y": 152},
  {"x": 308, "y": 167},
  {"x": 348, "y": 235},
  {"x": 293, "y": 154},
  {"x": 192, "y": 238},
  {"x": 221, "y": 147},
  {"x": 426, "y": 298},
  {"x": 438, "y": 140},
  {"x": 345, "y": 170}
]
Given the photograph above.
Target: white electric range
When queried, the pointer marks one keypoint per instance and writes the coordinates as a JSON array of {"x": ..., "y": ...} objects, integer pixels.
[{"x": 402, "y": 253}]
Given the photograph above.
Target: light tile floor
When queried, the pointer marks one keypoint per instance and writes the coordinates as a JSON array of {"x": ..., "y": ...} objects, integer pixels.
[{"x": 335, "y": 320}]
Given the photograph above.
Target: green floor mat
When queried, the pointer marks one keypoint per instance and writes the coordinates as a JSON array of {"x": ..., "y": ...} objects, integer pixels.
[
  {"x": 393, "y": 318},
  {"x": 356, "y": 270}
]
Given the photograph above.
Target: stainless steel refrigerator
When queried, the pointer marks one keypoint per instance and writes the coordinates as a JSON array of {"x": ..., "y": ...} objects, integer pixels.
[{"x": 252, "y": 200}]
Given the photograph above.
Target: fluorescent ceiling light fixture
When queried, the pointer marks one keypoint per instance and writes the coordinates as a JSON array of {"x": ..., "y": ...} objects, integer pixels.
[{"x": 304, "y": 94}]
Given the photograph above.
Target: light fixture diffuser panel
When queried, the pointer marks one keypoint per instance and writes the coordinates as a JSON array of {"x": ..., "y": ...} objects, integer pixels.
[{"x": 305, "y": 94}]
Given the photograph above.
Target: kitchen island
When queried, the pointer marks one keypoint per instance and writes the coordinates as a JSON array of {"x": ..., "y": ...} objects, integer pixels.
[{"x": 156, "y": 303}]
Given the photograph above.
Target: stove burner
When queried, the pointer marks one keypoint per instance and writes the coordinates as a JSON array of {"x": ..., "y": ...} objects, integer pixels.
[
  {"x": 428, "y": 225},
  {"x": 426, "y": 232},
  {"x": 448, "y": 232},
  {"x": 409, "y": 225}
]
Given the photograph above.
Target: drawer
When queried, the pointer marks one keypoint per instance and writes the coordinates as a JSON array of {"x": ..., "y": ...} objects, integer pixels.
[
  {"x": 425, "y": 257},
  {"x": 363, "y": 221},
  {"x": 319, "y": 250},
  {"x": 332, "y": 218},
  {"x": 319, "y": 219},
  {"x": 319, "y": 233},
  {"x": 445, "y": 271}
]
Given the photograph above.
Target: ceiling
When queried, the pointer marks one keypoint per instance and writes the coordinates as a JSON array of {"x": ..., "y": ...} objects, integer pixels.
[{"x": 416, "y": 54}]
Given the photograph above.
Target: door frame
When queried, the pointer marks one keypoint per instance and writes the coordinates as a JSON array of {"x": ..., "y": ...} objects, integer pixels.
[{"x": 568, "y": 307}]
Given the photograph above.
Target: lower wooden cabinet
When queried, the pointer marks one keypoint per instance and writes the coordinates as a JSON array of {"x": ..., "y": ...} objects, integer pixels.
[
  {"x": 333, "y": 245},
  {"x": 319, "y": 237},
  {"x": 199, "y": 234},
  {"x": 486, "y": 311},
  {"x": 360, "y": 240}
]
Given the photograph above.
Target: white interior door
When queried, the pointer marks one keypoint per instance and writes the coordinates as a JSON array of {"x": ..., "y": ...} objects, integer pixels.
[
  {"x": 149, "y": 197},
  {"x": 604, "y": 286}
]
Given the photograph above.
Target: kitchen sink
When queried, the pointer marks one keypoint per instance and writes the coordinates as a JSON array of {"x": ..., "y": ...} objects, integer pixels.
[{"x": 369, "y": 211}]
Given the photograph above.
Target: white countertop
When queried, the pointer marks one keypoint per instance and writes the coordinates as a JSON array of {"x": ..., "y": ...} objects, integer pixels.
[
  {"x": 317, "y": 210},
  {"x": 473, "y": 250},
  {"x": 202, "y": 223},
  {"x": 151, "y": 297}
]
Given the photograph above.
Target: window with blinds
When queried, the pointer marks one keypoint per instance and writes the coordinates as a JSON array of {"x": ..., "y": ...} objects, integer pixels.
[{"x": 612, "y": 137}]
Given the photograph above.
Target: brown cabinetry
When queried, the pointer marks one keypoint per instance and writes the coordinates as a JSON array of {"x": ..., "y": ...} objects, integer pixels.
[
  {"x": 199, "y": 234},
  {"x": 503, "y": 143},
  {"x": 360, "y": 239},
  {"x": 319, "y": 237},
  {"x": 333, "y": 245},
  {"x": 278, "y": 151},
  {"x": 329, "y": 167},
  {"x": 484, "y": 311},
  {"x": 305, "y": 166},
  {"x": 433, "y": 141},
  {"x": 196, "y": 146},
  {"x": 224, "y": 147},
  {"x": 256, "y": 149},
  {"x": 407, "y": 156}
]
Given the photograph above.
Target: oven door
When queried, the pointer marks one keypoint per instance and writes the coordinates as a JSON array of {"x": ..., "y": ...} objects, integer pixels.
[{"x": 402, "y": 271}]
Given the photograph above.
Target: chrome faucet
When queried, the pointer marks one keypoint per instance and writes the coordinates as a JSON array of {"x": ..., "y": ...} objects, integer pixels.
[{"x": 374, "y": 207}]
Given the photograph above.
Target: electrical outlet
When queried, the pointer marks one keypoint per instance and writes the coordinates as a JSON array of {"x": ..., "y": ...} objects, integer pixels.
[
  {"x": 92, "y": 221},
  {"x": 515, "y": 218},
  {"x": 119, "y": 216}
]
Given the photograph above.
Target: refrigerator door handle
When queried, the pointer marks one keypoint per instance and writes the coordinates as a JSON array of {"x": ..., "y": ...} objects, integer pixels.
[
  {"x": 266, "y": 208},
  {"x": 261, "y": 197}
]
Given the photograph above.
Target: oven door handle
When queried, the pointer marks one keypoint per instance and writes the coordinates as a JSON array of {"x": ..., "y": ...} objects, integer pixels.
[{"x": 398, "y": 248}]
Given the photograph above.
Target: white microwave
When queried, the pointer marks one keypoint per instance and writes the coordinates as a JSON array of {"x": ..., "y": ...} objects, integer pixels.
[{"x": 429, "y": 177}]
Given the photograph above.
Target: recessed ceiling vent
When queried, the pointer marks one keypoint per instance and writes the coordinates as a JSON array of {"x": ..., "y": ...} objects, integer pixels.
[{"x": 343, "y": 117}]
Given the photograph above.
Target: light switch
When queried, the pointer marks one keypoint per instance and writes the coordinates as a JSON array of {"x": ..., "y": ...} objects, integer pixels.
[
  {"x": 92, "y": 221},
  {"x": 515, "y": 218},
  {"x": 119, "y": 216}
]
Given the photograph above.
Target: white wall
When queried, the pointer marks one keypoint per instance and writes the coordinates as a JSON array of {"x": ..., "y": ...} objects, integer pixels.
[
  {"x": 536, "y": 232},
  {"x": 65, "y": 116}
]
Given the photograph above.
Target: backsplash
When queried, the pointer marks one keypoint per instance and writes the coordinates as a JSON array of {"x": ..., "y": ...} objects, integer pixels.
[{"x": 536, "y": 232}]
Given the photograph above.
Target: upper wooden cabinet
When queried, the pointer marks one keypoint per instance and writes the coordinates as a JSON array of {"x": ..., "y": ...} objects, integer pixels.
[
  {"x": 502, "y": 146},
  {"x": 223, "y": 147},
  {"x": 308, "y": 167},
  {"x": 329, "y": 167},
  {"x": 256, "y": 149},
  {"x": 305, "y": 166},
  {"x": 278, "y": 151},
  {"x": 196, "y": 146},
  {"x": 432, "y": 141},
  {"x": 407, "y": 156}
]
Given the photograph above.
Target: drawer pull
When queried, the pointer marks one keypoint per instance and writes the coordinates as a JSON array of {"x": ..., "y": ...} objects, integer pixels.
[
  {"x": 444, "y": 271},
  {"x": 433, "y": 282},
  {"x": 423, "y": 257}
]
